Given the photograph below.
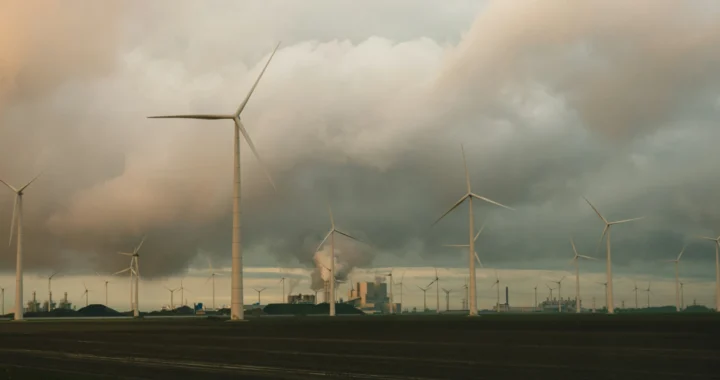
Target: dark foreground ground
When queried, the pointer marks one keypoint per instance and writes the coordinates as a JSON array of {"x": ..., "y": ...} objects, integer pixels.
[{"x": 489, "y": 347}]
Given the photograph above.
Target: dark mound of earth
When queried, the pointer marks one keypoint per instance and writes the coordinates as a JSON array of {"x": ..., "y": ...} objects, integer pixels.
[
  {"x": 97, "y": 310},
  {"x": 310, "y": 309},
  {"x": 52, "y": 314}
]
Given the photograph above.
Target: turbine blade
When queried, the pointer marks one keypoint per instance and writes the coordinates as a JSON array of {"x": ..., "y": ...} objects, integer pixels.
[
  {"x": 627, "y": 220},
  {"x": 706, "y": 238},
  {"x": 252, "y": 89},
  {"x": 201, "y": 117},
  {"x": 452, "y": 208},
  {"x": 332, "y": 220},
  {"x": 324, "y": 240},
  {"x": 479, "y": 232},
  {"x": 28, "y": 184},
  {"x": 573, "y": 247},
  {"x": 681, "y": 253},
  {"x": 140, "y": 245},
  {"x": 491, "y": 201},
  {"x": 14, "y": 218},
  {"x": 351, "y": 237},
  {"x": 240, "y": 126},
  {"x": 478, "y": 260},
  {"x": 456, "y": 245},
  {"x": 126, "y": 254},
  {"x": 587, "y": 257},
  {"x": 10, "y": 186},
  {"x": 596, "y": 211},
  {"x": 467, "y": 175},
  {"x": 122, "y": 271}
]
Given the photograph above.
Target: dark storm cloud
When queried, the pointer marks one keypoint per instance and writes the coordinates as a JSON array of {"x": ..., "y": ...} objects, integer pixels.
[{"x": 369, "y": 118}]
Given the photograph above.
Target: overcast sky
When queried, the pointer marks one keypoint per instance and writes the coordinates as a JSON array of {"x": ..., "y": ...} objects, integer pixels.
[{"x": 364, "y": 107}]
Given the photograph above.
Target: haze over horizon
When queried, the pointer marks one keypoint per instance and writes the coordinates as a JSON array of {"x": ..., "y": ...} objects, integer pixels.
[{"x": 364, "y": 107}]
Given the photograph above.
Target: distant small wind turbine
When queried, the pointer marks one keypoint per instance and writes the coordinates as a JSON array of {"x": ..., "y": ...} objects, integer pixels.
[
  {"x": 392, "y": 301},
  {"x": 212, "y": 277},
  {"x": 49, "y": 306},
  {"x": 717, "y": 270},
  {"x": 106, "y": 281},
  {"x": 134, "y": 270},
  {"x": 497, "y": 284},
  {"x": 283, "y": 299},
  {"x": 559, "y": 283},
  {"x": 424, "y": 290},
  {"x": 677, "y": 279},
  {"x": 551, "y": 292},
  {"x": 236, "y": 295},
  {"x": 447, "y": 299},
  {"x": 436, "y": 281},
  {"x": 331, "y": 235},
  {"x": 17, "y": 219},
  {"x": 402, "y": 278},
  {"x": 182, "y": 290},
  {"x": 172, "y": 298},
  {"x": 606, "y": 235},
  {"x": 682, "y": 297},
  {"x": 605, "y": 284},
  {"x": 258, "y": 292},
  {"x": 636, "y": 295},
  {"x": 86, "y": 294},
  {"x": 648, "y": 295},
  {"x": 575, "y": 260},
  {"x": 535, "y": 288},
  {"x": 471, "y": 227}
]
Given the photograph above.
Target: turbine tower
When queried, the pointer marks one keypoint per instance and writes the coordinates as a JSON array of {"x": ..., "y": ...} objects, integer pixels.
[
  {"x": 717, "y": 270},
  {"x": 424, "y": 290},
  {"x": 636, "y": 295},
  {"x": 182, "y": 292},
  {"x": 331, "y": 235},
  {"x": 172, "y": 298},
  {"x": 467, "y": 245},
  {"x": 471, "y": 260},
  {"x": 402, "y": 277},
  {"x": 551, "y": 291},
  {"x": 236, "y": 308},
  {"x": 106, "y": 288},
  {"x": 575, "y": 260},
  {"x": 436, "y": 281},
  {"x": 282, "y": 300},
  {"x": 606, "y": 235},
  {"x": 392, "y": 301},
  {"x": 17, "y": 219},
  {"x": 535, "y": 288},
  {"x": 648, "y": 295},
  {"x": 677, "y": 279}
]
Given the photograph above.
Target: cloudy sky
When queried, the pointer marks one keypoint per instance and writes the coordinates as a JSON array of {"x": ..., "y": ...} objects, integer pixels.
[{"x": 364, "y": 107}]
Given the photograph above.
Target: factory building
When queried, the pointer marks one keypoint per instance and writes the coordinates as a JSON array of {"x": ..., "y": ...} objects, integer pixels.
[
  {"x": 372, "y": 297},
  {"x": 33, "y": 306},
  {"x": 64, "y": 304},
  {"x": 301, "y": 298},
  {"x": 506, "y": 308}
]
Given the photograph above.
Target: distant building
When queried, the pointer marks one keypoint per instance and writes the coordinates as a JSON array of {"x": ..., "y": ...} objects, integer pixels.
[
  {"x": 372, "y": 297},
  {"x": 64, "y": 304},
  {"x": 301, "y": 298},
  {"x": 567, "y": 305},
  {"x": 33, "y": 306}
]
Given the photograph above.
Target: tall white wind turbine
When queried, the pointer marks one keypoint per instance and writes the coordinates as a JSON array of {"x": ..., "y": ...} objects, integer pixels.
[
  {"x": 331, "y": 235},
  {"x": 677, "y": 279},
  {"x": 134, "y": 270},
  {"x": 17, "y": 219},
  {"x": 575, "y": 260},
  {"x": 436, "y": 281},
  {"x": 606, "y": 236},
  {"x": 424, "y": 290},
  {"x": 471, "y": 260},
  {"x": 172, "y": 299},
  {"x": 236, "y": 308},
  {"x": 717, "y": 270}
]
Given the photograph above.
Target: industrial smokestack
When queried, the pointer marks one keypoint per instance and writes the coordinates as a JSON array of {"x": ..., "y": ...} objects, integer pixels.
[{"x": 507, "y": 299}]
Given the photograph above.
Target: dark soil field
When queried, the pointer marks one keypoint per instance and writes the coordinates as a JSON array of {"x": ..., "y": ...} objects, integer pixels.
[{"x": 660, "y": 346}]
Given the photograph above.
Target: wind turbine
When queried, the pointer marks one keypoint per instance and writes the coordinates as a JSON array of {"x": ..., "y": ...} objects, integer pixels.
[
  {"x": 551, "y": 290},
  {"x": 258, "y": 292},
  {"x": 85, "y": 294},
  {"x": 212, "y": 276},
  {"x": 677, "y": 279},
  {"x": 236, "y": 309},
  {"x": 469, "y": 197},
  {"x": 447, "y": 299},
  {"x": 575, "y": 259},
  {"x": 50, "y": 291},
  {"x": 424, "y": 290},
  {"x": 636, "y": 295},
  {"x": 467, "y": 299},
  {"x": 559, "y": 293},
  {"x": 535, "y": 296},
  {"x": 605, "y": 284},
  {"x": 134, "y": 270},
  {"x": 282, "y": 300},
  {"x": 182, "y": 292},
  {"x": 172, "y": 298},
  {"x": 436, "y": 281},
  {"x": 497, "y": 284},
  {"x": 717, "y": 270},
  {"x": 17, "y": 218},
  {"x": 682, "y": 297},
  {"x": 648, "y": 295},
  {"x": 606, "y": 235},
  {"x": 467, "y": 245},
  {"x": 106, "y": 288},
  {"x": 331, "y": 235}
]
